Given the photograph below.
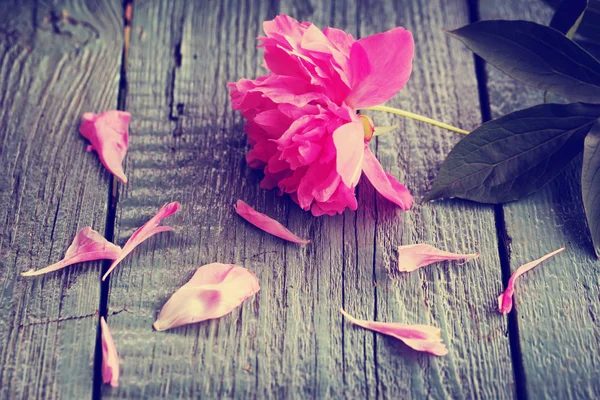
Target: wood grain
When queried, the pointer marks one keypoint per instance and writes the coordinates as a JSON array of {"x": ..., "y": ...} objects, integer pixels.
[
  {"x": 289, "y": 341},
  {"x": 56, "y": 62},
  {"x": 556, "y": 305}
]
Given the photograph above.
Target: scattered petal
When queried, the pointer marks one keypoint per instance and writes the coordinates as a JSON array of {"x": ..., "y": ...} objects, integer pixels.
[
  {"x": 266, "y": 223},
  {"x": 419, "y": 337},
  {"x": 214, "y": 291},
  {"x": 505, "y": 302},
  {"x": 147, "y": 230},
  {"x": 414, "y": 256},
  {"x": 109, "y": 135},
  {"x": 110, "y": 359},
  {"x": 384, "y": 183},
  {"x": 88, "y": 245}
]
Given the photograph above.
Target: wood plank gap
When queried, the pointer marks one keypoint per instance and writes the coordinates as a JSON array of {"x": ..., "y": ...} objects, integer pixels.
[
  {"x": 503, "y": 237},
  {"x": 113, "y": 198}
]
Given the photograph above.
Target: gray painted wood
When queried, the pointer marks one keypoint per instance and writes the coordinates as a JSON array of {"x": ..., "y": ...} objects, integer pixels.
[
  {"x": 556, "y": 304},
  {"x": 54, "y": 66},
  {"x": 290, "y": 340}
]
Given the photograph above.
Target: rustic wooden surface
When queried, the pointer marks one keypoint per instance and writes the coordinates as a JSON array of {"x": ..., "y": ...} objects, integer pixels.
[
  {"x": 556, "y": 305},
  {"x": 53, "y": 67},
  {"x": 186, "y": 144}
]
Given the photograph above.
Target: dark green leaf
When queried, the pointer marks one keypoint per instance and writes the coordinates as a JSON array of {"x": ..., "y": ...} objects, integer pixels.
[
  {"x": 515, "y": 155},
  {"x": 590, "y": 24},
  {"x": 590, "y": 183},
  {"x": 536, "y": 55},
  {"x": 568, "y": 16}
]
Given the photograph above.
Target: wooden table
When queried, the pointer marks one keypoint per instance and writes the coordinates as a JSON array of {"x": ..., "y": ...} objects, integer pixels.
[{"x": 62, "y": 59}]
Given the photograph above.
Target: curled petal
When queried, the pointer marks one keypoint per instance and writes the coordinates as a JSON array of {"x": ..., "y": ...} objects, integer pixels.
[
  {"x": 110, "y": 359},
  {"x": 505, "y": 302},
  {"x": 147, "y": 230},
  {"x": 88, "y": 245},
  {"x": 419, "y": 337},
  {"x": 266, "y": 223},
  {"x": 214, "y": 291},
  {"x": 380, "y": 66},
  {"x": 414, "y": 256},
  {"x": 350, "y": 149},
  {"x": 109, "y": 135},
  {"x": 384, "y": 183}
]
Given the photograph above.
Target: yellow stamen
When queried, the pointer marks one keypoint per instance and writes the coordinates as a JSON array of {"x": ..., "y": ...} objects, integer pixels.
[
  {"x": 417, "y": 117},
  {"x": 368, "y": 126}
]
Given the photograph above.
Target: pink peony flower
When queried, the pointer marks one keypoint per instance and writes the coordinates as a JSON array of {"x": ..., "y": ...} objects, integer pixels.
[{"x": 301, "y": 117}]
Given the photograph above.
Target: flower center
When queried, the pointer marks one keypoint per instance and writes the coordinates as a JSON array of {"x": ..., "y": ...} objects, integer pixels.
[{"x": 367, "y": 126}]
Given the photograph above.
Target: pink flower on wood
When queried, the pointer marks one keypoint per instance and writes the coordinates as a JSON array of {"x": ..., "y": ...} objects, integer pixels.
[
  {"x": 109, "y": 134},
  {"x": 147, "y": 230},
  {"x": 88, "y": 245},
  {"x": 301, "y": 117},
  {"x": 110, "y": 359},
  {"x": 505, "y": 301},
  {"x": 414, "y": 256},
  {"x": 213, "y": 291},
  {"x": 266, "y": 223},
  {"x": 419, "y": 337}
]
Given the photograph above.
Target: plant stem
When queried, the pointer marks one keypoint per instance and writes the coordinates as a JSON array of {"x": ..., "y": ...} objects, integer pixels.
[{"x": 417, "y": 117}]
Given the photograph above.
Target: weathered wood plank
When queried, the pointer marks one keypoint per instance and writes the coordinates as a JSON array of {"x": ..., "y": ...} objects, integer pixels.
[
  {"x": 57, "y": 60},
  {"x": 556, "y": 305},
  {"x": 290, "y": 340}
]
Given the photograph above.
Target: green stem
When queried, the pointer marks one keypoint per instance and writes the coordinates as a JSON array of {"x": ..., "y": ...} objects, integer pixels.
[{"x": 417, "y": 117}]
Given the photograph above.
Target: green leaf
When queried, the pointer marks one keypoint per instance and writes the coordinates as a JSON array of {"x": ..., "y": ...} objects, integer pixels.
[
  {"x": 590, "y": 183},
  {"x": 568, "y": 16},
  {"x": 536, "y": 55},
  {"x": 590, "y": 24},
  {"x": 515, "y": 155}
]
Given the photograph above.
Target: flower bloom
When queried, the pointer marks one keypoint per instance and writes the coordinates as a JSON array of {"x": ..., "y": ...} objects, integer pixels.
[{"x": 301, "y": 117}]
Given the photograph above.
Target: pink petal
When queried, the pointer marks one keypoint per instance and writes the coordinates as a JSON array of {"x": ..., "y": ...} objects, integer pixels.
[
  {"x": 379, "y": 67},
  {"x": 110, "y": 359},
  {"x": 214, "y": 291},
  {"x": 350, "y": 145},
  {"x": 414, "y": 256},
  {"x": 147, "y": 230},
  {"x": 419, "y": 337},
  {"x": 88, "y": 245},
  {"x": 384, "y": 183},
  {"x": 505, "y": 299},
  {"x": 109, "y": 135},
  {"x": 266, "y": 223}
]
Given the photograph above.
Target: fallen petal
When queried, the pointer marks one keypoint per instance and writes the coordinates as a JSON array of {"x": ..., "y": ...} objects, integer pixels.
[
  {"x": 110, "y": 359},
  {"x": 266, "y": 223},
  {"x": 88, "y": 245},
  {"x": 109, "y": 134},
  {"x": 147, "y": 230},
  {"x": 384, "y": 183},
  {"x": 414, "y": 256},
  {"x": 214, "y": 291},
  {"x": 419, "y": 337},
  {"x": 505, "y": 302}
]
